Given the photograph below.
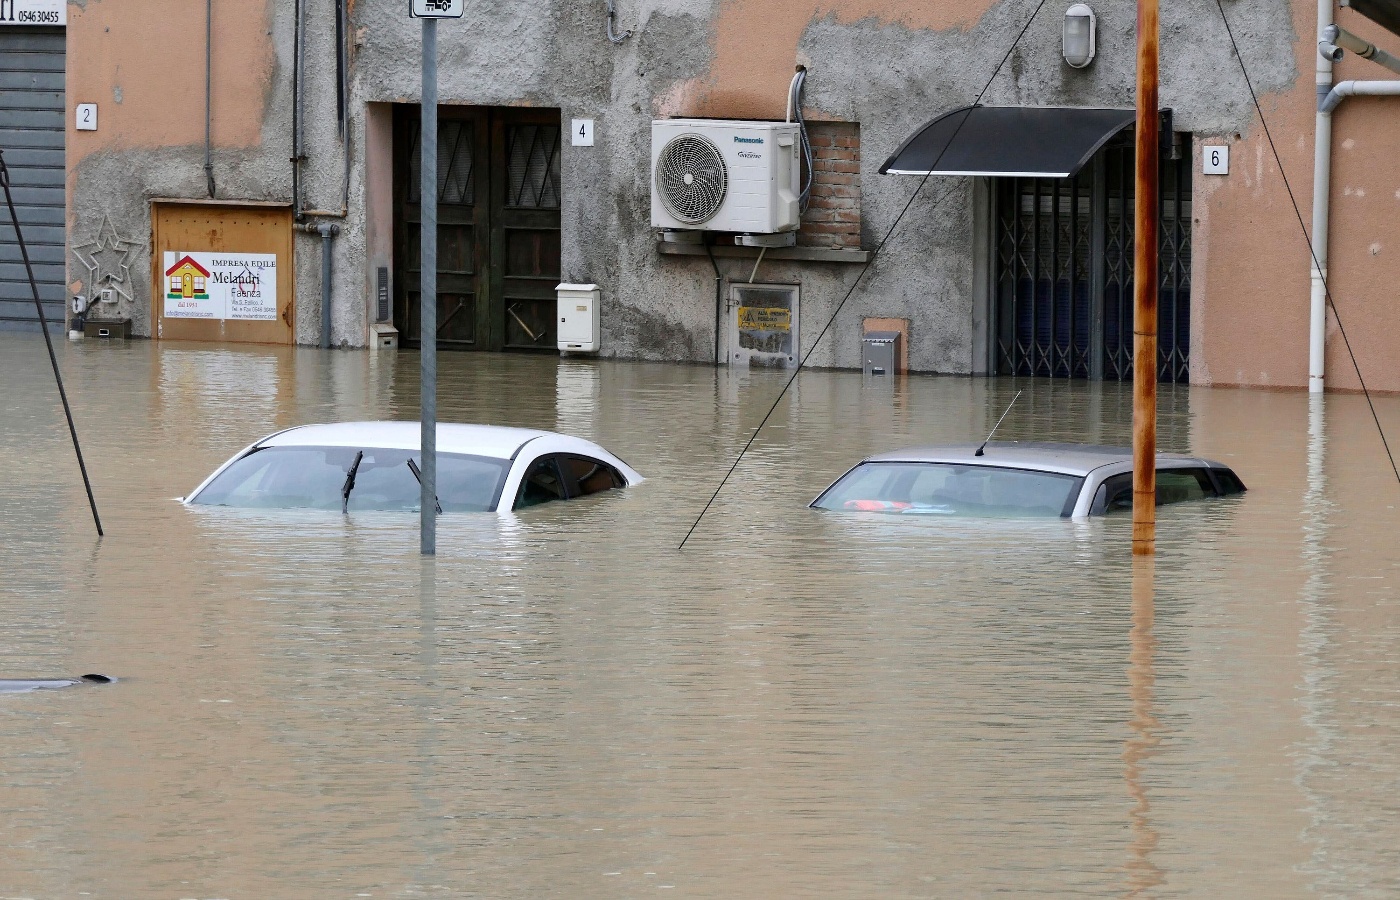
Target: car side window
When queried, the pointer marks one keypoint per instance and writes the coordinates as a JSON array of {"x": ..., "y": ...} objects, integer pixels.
[
  {"x": 1182, "y": 485},
  {"x": 1228, "y": 481},
  {"x": 1173, "y": 486},
  {"x": 541, "y": 484},
  {"x": 589, "y": 476},
  {"x": 1116, "y": 493}
]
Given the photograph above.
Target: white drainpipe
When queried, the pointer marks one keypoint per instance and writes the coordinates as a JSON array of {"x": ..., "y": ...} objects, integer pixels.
[
  {"x": 1322, "y": 193},
  {"x": 1328, "y": 99}
]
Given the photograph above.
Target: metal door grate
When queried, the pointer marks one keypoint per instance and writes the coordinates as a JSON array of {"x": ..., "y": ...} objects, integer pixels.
[
  {"x": 1064, "y": 271},
  {"x": 532, "y": 155},
  {"x": 1044, "y": 275},
  {"x": 455, "y": 163}
]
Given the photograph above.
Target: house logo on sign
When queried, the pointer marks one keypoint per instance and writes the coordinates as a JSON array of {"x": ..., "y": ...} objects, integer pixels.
[{"x": 187, "y": 280}]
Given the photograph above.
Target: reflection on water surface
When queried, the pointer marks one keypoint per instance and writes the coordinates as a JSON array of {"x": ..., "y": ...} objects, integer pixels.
[{"x": 798, "y": 704}]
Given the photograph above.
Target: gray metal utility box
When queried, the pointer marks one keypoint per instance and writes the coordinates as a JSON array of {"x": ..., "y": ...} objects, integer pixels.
[
  {"x": 107, "y": 328},
  {"x": 880, "y": 353}
]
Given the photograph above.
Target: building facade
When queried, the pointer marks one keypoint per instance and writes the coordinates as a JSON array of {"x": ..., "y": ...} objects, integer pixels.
[{"x": 299, "y": 153}]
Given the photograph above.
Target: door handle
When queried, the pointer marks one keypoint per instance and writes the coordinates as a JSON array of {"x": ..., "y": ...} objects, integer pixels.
[{"x": 287, "y": 315}]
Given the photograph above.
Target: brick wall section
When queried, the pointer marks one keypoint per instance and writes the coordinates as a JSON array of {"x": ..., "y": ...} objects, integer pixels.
[{"x": 833, "y": 218}]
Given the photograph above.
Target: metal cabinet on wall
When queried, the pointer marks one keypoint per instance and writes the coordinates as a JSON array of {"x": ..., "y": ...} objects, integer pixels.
[
  {"x": 235, "y": 235},
  {"x": 498, "y": 227}
]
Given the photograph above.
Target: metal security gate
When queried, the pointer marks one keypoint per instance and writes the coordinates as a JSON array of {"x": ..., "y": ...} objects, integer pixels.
[
  {"x": 32, "y": 136},
  {"x": 499, "y": 196},
  {"x": 1064, "y": 271}
]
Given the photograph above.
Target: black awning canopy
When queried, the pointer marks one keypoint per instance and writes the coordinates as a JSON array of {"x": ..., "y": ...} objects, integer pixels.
[
  {"x": 1385, "y": 13},
  {"x": 1008, "y": 141}
]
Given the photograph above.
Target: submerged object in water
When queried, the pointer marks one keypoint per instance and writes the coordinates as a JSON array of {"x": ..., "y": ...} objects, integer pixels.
[{"x": 25, "y": 685}]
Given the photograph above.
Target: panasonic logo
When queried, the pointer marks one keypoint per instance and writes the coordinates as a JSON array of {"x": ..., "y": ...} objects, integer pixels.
[{"x": 744, "y": 140}]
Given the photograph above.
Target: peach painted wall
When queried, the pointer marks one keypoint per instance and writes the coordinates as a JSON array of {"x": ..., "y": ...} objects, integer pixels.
[
  {"x": 142, "y": 61},
  {"x": 1251, "y": 283},
  {"x": 1364, "y": 263},
  {"x": 755, "y": 46}
]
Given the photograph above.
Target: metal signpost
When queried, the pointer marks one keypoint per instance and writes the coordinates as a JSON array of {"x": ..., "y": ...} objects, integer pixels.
[{"x": 429, "y": 11}]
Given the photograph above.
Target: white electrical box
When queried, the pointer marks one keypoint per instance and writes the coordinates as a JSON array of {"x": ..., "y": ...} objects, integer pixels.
[{"x": 579, "y": 318}]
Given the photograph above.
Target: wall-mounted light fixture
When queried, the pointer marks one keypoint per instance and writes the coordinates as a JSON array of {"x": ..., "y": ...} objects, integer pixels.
[{"x": 1077, "y": 42}]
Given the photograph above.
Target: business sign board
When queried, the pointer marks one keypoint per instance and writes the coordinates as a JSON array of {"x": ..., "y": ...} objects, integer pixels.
[
  {"x": 437, "y": 9},
  {"x": 33, "y": 12},
  {"x": 220, "y": 285}
]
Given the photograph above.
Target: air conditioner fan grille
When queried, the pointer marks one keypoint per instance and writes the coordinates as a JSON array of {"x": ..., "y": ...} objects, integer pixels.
[{"x": 691, "y": 178}]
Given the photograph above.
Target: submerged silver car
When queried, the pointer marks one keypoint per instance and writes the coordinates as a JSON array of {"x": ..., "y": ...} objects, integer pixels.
[{"x": 1018, "y": 479}]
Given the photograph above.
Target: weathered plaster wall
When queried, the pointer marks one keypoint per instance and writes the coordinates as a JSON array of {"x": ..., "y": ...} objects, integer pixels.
[
  {"x": 1364, "y": 258},
  {"x": 143, "y": 62},
  {"x": 889, "y": 66},
  {"x": 1252, "y": 284}
]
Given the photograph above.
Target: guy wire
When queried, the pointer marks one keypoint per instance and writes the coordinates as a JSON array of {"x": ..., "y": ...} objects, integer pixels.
[
  {"x": 875, "y": 254},
  {"x": 1326, "y": 289},
  {"x": 48, "y": 339}
]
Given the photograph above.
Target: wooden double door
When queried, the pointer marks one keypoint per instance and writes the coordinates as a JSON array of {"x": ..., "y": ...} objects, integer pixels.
[{"x": 498, "y": 227}]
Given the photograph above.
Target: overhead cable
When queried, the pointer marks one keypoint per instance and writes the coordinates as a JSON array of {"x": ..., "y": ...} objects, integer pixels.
[
  {"x": 875, "y": 254},
  {"x": 1297, "y": 211}
]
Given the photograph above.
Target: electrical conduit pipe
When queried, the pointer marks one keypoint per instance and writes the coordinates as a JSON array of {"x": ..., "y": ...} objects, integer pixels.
[{"x": 328, "y": 233}]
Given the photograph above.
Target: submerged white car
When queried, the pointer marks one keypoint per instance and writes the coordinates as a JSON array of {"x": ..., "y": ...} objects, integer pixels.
[
  {"x": 375, "y": 466},
  {"x": 1018, "y": 479}
]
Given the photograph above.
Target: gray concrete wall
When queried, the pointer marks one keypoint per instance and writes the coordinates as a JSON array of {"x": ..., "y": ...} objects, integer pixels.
[{"x": 889, "y": 70}]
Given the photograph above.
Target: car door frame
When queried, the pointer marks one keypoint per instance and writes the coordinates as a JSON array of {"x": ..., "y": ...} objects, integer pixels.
[
  {"x": 1096, "y": 478},
  {"x": 557, "y": 444}
]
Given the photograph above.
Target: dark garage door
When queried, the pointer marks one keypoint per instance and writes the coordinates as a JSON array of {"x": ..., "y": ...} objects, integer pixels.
[{"x": 31, "y": 134}]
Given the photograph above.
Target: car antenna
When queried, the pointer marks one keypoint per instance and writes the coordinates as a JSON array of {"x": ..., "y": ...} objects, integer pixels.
[{"x": 998, "y": 424}]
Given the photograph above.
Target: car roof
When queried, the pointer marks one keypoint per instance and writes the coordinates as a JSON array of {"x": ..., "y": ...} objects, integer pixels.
[
  {"x": 492, "y": 441},
  {"x": 1066, "y": 459}
]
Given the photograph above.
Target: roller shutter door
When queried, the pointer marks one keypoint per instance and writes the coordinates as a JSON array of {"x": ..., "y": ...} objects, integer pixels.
[{"x": 32, "y": 122}]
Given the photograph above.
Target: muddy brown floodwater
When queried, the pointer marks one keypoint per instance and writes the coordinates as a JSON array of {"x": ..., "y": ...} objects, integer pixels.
[{"x": 798, "y": 705}]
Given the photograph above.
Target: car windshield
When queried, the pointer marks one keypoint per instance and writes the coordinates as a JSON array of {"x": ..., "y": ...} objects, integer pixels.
[
  {"x": 316, "y": 477},
  {"x": 949, "y": 489}
]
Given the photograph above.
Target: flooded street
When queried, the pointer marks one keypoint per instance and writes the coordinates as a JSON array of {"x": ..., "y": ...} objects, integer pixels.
[{"x": 799, "y": 704}]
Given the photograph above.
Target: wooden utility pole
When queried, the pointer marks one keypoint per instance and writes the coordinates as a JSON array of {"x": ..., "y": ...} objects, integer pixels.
[{"x": 1145, "y": 287}]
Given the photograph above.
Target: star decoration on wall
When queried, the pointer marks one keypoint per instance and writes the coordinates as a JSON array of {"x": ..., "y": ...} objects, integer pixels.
[{"x": 107, "y": 258}]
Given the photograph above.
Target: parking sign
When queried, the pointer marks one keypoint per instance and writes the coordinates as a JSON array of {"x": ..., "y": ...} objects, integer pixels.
[{"x": 437, "y": 9}]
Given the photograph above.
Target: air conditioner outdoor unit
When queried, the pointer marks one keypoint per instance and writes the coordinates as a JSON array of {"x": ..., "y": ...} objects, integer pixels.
[{"x": 716, "y": 175}]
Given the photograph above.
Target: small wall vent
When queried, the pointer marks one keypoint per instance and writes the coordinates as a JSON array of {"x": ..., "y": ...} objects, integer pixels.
[{"x": 383, "y": 293}]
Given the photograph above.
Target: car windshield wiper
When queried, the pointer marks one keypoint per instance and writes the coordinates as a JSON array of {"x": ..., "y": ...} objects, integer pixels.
[
  {"x": 350, "y": 483},
  {"x": 413, "y": 467}
]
